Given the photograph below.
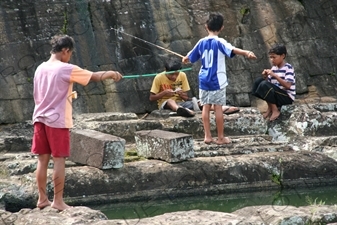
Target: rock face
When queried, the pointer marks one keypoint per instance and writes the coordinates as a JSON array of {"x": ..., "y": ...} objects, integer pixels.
[{"x": 307, "y": 28}]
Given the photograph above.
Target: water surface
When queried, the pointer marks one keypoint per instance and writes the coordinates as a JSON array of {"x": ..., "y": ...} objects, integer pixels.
[{"x": 223, "y": 203}]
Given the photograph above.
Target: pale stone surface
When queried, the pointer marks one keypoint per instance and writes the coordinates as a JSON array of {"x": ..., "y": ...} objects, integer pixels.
[
  {"x": 108, "y": 116},
  {"x": 97, "y": 149},
  {"x": 254, "y": 215},
  {"x": 302, "y": 120},
  {"x": 164, "y": 145}
]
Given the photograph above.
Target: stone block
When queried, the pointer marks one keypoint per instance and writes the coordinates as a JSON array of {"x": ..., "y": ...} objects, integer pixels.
[
  {"x": 164, "y": 145},
  {"x": 93, "y": 148}
]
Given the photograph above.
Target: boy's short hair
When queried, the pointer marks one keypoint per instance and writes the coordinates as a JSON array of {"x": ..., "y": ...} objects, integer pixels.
[
  {"x": 172, "y": 64},
  {"x": 58, "y": 42},
  {"x": 215, "y": 21},
  {"x": 278, "y": 49}
]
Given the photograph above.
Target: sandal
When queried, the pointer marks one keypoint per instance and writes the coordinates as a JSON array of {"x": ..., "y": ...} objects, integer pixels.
[
  {"x": 231, "y": 110},
  {"x": 185, "y": 112}
]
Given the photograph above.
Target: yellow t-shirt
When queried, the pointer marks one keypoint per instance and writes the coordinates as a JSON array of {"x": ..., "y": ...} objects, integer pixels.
[{"x": 161, "y": 83}]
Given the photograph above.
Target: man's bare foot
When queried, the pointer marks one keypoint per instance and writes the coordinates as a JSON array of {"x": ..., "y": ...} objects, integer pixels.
[
  {"x": 43, "y": 204},
  {"x": 61, "y": 206},
  {"x": 223, "y": 141},
  {"x": 266, "y": 114},
  {"x": 209, "y": 141},
  {"x": 274, "y": 116}
]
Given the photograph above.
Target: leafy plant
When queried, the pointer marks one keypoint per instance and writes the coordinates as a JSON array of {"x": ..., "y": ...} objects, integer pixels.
[
  {"x": 276, "y": 177},
  {"x": 244, "y": 11},
  {"x": 313, "y": 202},
  {"x": 65, "y": 23},
  {"x": 314, "y": 208}
]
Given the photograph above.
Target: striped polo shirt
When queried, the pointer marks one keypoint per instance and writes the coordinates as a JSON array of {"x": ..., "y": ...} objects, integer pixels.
[{"x": 286, "y": 73}]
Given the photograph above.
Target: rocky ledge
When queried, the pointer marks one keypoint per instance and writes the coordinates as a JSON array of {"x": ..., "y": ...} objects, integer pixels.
[
  {"x": 257, "y": 215},
  {"x": 297, "y": 150}
]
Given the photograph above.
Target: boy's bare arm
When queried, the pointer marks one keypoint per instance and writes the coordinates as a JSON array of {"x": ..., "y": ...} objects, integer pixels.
[
  {"x": 160, "y": 95},
  {"x": 248, "y": 54},
  {"x": 284, "y": 83},
  {"x": 185, "y": 60},
  {"x": 183, "y": 95},
  {"x": 103, "y": 75}
]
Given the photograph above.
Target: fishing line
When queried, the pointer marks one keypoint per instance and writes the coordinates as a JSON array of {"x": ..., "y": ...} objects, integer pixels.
[{"x": 165, "y": 49}]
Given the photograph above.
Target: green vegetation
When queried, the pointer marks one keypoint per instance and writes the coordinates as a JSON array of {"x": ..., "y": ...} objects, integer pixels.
[
  {"x": 65, "y": 23},
  {"x": 132, "y": 156},
  {"x": 313, "y": 210},
  {"x": 313, "y": 202},
  {"x": 244, "y": 11},
  {"x": 130, "y": 152},
  {"x": 276, "y": 177},
  {"x": 4, "y": 174}
]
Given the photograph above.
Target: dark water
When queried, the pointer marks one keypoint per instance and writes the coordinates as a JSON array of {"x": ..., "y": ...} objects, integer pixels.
[{"x": 222, "y": 203}]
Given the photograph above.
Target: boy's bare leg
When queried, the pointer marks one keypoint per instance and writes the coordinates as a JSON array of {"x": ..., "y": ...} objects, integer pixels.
[
  {"x": 206, "y": 122},
  {"x": 58, "y": 179},
  {"x": 171, "y": 104},
  {"x": 269, "y": 111},
  {"x": 220, "y": 125},
  {"x": 41, "y": 180},
  {"x": 275, "y": 113}
]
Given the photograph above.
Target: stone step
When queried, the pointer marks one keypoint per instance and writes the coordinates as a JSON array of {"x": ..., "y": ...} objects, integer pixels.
[
  {"x": 247, "y": 122},
  {"x": 297, "y": 124},
  {"x": 240, "y": 145}
]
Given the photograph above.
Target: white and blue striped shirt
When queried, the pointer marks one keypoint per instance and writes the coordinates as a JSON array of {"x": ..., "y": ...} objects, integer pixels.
[{"x": 286, "y": 73}]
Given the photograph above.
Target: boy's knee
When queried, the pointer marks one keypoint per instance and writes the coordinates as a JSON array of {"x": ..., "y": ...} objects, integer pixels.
[
  {"x": 170, "y": 104},
  {"x": 264, "y": 83},
  {"x": 259, "y": 80}
]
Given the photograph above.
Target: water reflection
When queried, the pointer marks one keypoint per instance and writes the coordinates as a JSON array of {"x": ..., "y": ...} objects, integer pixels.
[{"x": 223, "y": 203}]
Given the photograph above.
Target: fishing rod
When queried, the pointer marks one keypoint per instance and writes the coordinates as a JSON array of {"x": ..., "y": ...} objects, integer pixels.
[
  {"x": 165, "y": 49},
  {"x": 154, "y": 74}
]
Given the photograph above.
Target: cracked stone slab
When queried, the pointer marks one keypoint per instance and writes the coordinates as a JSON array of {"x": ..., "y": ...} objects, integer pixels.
[
  {"x": 164, "y": 145},
  {"x": 93, "y": 148}
]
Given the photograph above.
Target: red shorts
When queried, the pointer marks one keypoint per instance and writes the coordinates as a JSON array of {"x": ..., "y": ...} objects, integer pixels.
[{"x": 49, "y": 140}]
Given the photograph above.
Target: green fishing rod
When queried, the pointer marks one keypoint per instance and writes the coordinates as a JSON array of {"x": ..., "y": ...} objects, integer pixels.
[{"x": 154, "y": 74}]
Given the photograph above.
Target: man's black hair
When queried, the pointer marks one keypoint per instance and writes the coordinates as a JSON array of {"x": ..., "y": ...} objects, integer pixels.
[
  {"x": 172, "y": 64},
  {"x": 215, "y": 22},
  {"x": 59, "y": 42},
  {"x": 278, "y": 49}
]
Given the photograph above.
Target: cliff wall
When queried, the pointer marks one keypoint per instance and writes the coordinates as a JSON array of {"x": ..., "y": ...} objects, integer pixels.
[{"x": 308, "y": 28}]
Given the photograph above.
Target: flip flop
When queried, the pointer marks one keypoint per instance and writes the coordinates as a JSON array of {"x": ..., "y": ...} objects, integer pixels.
[
  {"x": 228, "y": 111},
  {"x": 184, "y": 112}
]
